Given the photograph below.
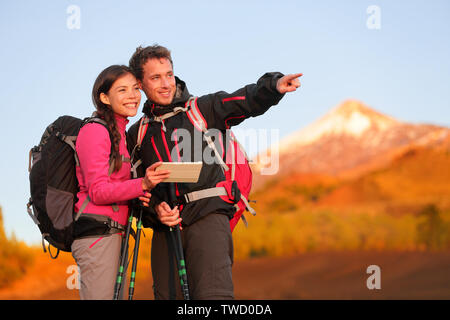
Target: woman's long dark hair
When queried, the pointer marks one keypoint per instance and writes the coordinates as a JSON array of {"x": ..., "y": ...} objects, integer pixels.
[{"x": 103, "y": 84}]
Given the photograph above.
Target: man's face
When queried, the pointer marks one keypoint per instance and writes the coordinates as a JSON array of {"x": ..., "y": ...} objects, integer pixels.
[{"x": 158, "y": 81}]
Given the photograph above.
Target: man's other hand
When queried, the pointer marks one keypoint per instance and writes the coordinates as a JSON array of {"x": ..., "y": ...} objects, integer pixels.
[{"x": 168, "y": 216}]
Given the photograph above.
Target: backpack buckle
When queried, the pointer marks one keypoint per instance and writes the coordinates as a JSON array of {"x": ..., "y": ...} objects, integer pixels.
[{"x": 235, "y": 192}]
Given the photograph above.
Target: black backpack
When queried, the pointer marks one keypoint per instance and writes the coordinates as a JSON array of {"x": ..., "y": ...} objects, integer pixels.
[{"x": 53, "y": 182}]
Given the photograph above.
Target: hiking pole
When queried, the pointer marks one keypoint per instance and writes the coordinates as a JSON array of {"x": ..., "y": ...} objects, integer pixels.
[
  {"x": 135, "y": 255},
  {"x": 175, "y": 235},
  {"x": 123, "y": 258}
]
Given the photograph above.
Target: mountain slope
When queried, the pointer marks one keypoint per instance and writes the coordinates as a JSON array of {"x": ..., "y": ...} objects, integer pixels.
[{"x": 349, "y": 140}]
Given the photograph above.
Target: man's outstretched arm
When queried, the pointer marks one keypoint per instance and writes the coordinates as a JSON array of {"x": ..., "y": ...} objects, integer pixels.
[{"x": 223, "y": 110}]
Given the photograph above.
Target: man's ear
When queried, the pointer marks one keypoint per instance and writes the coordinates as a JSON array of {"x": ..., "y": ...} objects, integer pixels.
[
  {"x": 104, "y": 98},
  {"x": 140, "y": 84}
]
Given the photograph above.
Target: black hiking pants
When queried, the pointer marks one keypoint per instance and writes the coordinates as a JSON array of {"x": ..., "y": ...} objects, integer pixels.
[{"x": 208, "y": 253}]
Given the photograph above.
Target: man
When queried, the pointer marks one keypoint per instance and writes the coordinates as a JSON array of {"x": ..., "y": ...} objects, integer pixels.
[{"x": 206, "y": 235}]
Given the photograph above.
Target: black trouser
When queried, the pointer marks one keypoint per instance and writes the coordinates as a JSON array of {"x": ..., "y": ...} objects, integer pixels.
[{"x": 208, "y": 252}]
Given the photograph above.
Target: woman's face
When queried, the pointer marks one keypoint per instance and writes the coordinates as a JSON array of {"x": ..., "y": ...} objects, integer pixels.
[{"x": 124, "y": 96}]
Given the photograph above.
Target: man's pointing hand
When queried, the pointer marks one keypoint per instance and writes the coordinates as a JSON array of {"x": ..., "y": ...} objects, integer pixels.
[{"x": 289, "y": 83}]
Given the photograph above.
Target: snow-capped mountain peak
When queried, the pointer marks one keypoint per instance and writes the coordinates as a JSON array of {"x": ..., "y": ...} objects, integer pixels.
[{"x": 350, "y": 118}]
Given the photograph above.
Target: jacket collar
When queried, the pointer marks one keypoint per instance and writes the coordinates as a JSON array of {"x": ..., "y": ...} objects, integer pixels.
[{"x": 121, "y": 122}]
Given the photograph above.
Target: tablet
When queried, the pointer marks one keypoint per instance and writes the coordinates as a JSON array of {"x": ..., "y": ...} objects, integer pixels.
[{"x": 187, "y": 172}]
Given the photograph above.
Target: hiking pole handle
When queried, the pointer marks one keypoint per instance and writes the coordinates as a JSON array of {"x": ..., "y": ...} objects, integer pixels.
[{"x": 135, "y": 255}]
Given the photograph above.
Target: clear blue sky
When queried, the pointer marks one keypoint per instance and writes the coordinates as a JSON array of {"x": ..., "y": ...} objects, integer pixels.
[{"x": 401, "y": 69}]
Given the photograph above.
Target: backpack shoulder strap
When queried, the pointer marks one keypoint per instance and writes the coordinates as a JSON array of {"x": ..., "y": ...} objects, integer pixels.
[
  {"x": 143, "y": 126},
  {"x": 142, "y": 130},
  {"x": 195, "y": 116},
  {"x": 95, "y": 119}
]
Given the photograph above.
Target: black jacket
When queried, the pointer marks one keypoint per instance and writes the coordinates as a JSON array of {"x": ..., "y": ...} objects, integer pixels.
[{"x": 221, "y": 110}]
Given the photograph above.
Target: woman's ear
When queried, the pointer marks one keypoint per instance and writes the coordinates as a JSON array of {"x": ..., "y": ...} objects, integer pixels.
[{"x": 104, "y": 98}]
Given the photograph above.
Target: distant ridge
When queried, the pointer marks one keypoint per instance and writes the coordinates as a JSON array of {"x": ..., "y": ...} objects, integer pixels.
[{"x": 351, "y": 137}]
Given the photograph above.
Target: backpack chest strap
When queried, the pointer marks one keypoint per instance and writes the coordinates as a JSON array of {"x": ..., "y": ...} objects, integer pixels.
[
  {"x": 86, "y": 201},
  {"x": 213, "y": 192},
  {"x": 205, "y": 193},
  {"x": 165, "y": 116}
]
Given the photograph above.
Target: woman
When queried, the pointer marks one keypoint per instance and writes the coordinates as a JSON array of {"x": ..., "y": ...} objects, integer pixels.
[{"x": 105, "y": 183}]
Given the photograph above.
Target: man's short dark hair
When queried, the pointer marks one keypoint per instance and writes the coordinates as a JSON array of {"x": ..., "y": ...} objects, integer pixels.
[{"x": 141, "y": 55}]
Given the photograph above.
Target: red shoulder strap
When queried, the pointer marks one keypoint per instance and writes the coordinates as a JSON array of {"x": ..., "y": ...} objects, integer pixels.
[
  {"x": 143, "y": 126},
  {"x": 195, "y": 116}
]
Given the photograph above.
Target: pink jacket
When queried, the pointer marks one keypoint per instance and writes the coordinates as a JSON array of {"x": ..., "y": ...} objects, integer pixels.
[{"x": 93, "y": 149}]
